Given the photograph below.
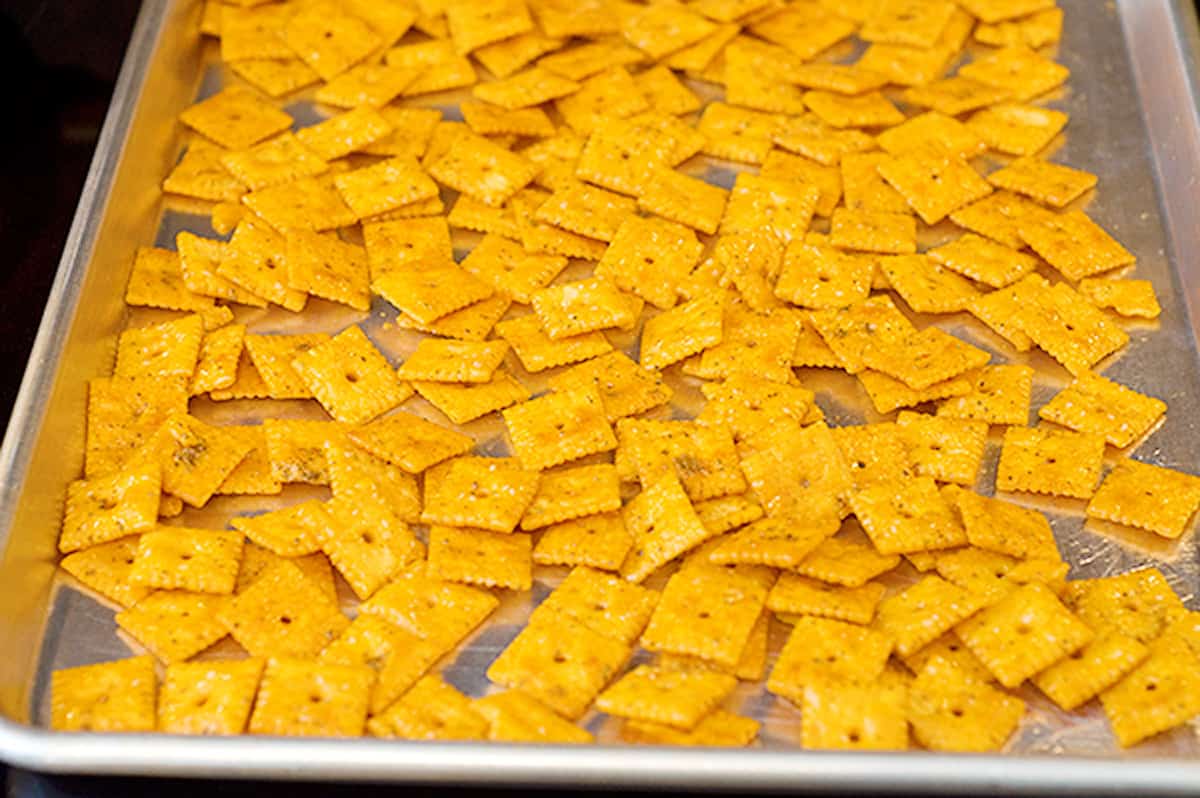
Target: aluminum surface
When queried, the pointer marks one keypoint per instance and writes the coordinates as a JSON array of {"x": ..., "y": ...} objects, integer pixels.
[{"x": 1134, "y": 123}]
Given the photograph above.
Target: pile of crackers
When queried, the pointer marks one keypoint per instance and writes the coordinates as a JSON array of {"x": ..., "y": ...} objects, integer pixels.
[{"x": 888, "y": 170}]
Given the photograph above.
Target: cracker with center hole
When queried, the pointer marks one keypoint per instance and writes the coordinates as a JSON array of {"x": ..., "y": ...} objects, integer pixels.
[
  {"x": 175, "y": 558},
  {"x": 1129, "y": 298},
  {"x": 949, "y": 648},
  {"x": 999, "y": 216},
  {"x": 571, "y": 309},
  {"x": 952, "y": 710},
  {"x": 537, "y": 351},
  {"x": 174, "y": 625},
  {"x": 1140, "y": 603},
  {"x": 781, "y": 540},
  {"x": 596, "y": 541},
  {"x": 1017, "y": 70},
  {"x": 350, "y": 377},
  {"x": 681, "y": 332},
  {"x": 430, "y": 710},
  {"x": 510, "y": 269},
  {"x": 706, "y": 611},
  {"x": 546, "y": 239},
  {"x": 737, "y": 134},
  {"x": 783, "y": 207},
  {"x": 791, "y": 467},
  {"x": 290, "y": 531},
  {"x": 1091, "y": 670},
  {"x": 609, "y": 94},
  {"x": 345, "y": 133},
  {"x": 479, "y": 557},
  {"x": 752, "y": 343},
  {"x": 621, "y": 154},
  {"x": 850, "y": 332},
  {"x": 982, "y": 572},
  {"x": 934, "y": 183},
  {"x": 812, "y": 138},
  {"x": 626, "y": 388},
  {"x": 250, "y": 31},
  {"x": 525, "y": 89},
  {"x": 412, "y": 128},
  {"x": 676, "y": 698},
  {"x": 315, "y": 568},
  {"x": 1074, "y": 244},
  {"x": 275, "y": 77},
  {"x": 587, "y": 210},
  {"x": 476, "y": 25},
  {"x": 907, "y": 516},
  {"x": 661, "y": 30},
  {"x": 560, "y": 662},
  {"x": 841, "y": 562},
  {"x": 873, "y": 231},
  {"x": 1034, "y": 30},
  {"x": 803, "y": 31},
  {"x": 156, "y": 281},
  {"x": 663, "y": 525},
  {"x": 604, "y": 603},
  {"x": 1158, "y": 695},
  {"x": 1051, "y": 462},
  {"x": 1068, "y": 327},
  {"x": 408, "y": 242},
  {"x": 116, "y": 696},
  {"x": 865, "y": 189},
  {"x": 1154, "y": 498},
  {"x": 820, "y": 649},
  {"x": 1006, "y": 528},
  {"x": 1016, "y": 129},
  {"x": 235, "y": 118},
  {"x": 506, "y": 56},
  {"x": 272, "y": 356},
  {"x": 329, "y": 39},
  {"x": 283, "y": 614},
  {"x": 702, "y": 455},
  {"x": 445, "y": 360},
  {"x": 828, "y": 179},
  {"x": 199, "y": 174},
  {"x": 559, "y": 427},
  {"x": 888, "y": 393},
  {"x": 932, "y": 130},
  {"x": 425, "y": 293},
  {"x": 1096, "y": 405},
  {"x": 373, "y": 85},
  {"x": 717, "y": 729},
  {"x": 955, "y": 95},
  {"x": 398, "y": 657},
  {"x": 999, "y": 310},
  {"x": 1048, "y": 183},
  {"x": 491, "y": 493},
  {"x": 909, "y": 22},
  {"x": 871, "y": 109},
  {"x": 983, "y": 260},
  {"x": 472, "y": 323},
  {"x": 665, "y": 92},
  {"x": 410, "y": 442},
  {"x": 296, "y": 449},
  {"x": 123, "y": 414},
  {"x": 838, "y": 716},
  {"x": 687, "y": 200},
  {"x": 310, "y": 203},
  {"x": 104, "y": 509},
  {"x": 465, "y": 403},
  {"x": 925, "y": 358},
  {"x": 572, "y": 493},
  {"x": 1024, "y": 633},
  {"x": 255, "y": 261},
  {"x": 195, "y": 457},
  {"x": 923, "y": 612},
  {"x": 104, "y": 568},
  {"x": 385, "y": 186},
  {"x": 208, "y": 697},
  {"x": 437, "y": 611},
  {"x": 749, "y": 263},
  {"x": 356, "y": 478},
  {"x": 874, "y": 453},
  {"x": 799, "y": 595},
  {"x": 818, "y": 276},
  {"x": 199, "y": 259},
  {"x": 273, "y": 162},
  {"x": 298, "y": 698},
  {"x": 325, "y": 266},
  {"x": 947, "y": 449}
]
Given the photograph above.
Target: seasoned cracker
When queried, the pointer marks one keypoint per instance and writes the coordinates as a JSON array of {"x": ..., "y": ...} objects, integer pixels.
[
  {"x": 663, "y": 525},
  {"x": 116, "y": 696},
  {"x": 1074, "y": 244},
  {"x": 195, "y": 457},
  {"x": 296, "y": 449},
  {"x": 174, "y": 625},
  {"x": 1048, "y": 461},
  {"x": 625, "y": 387},
  {"x": 923, "y": 612},
  {"x": 1018, "y": 70},
  {"x": 820, "y": 649},
  {"x": 1129, "y": 298},
  {"x": 1154, "y": 498},
  {"x": 952, "y": 710},
  {"x": 1005, "y": 528},
  {"x": 841, "y": 562},
  {"x": 283, "y": 614},
  {"x": 423, "y": 293},
  {"x": 208, "y": 697},
  {"x": 325, "y": 266},
  {"x": 410, "y": 442},
  {"x": 907, "y": 516},
  {"x": 235, "y": 118},
  {"x": 1099, "y": 406},
  {"x": 537, "y": 351},
  {"x": 300, "y": 698},
  {"x": 676, "y": 698},
  {"x": 947, "y": 449},
  {"x": 175, "y": 558},
  {"x": 350, "y": 377},
  {"x": 1016, "y": 129},
  {"x": 934, "y": 183},
  {"x": 104, "y": 509}
]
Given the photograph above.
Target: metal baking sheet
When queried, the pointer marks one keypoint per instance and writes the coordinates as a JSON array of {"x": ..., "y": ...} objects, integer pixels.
[{"x": 1134, "y": 123}]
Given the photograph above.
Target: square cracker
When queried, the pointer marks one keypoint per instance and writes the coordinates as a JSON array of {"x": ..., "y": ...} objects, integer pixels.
[
  {"x": 570, "y": 309},
  {"x": 934, "y": 183},
  {"x": 663, "y": 524},
  {"x": 199, "y": 259},
  {"x": 684, "y": 199},
  {"x": 175, "y": 558},
  {"x": 235, "y": 118},
  {"x": 1074, "y": 244},
  {"x": 603, "y": 602},
  {"x": 368, "y": 544},
  {"x": 1094, "y": 404},
  {"x": 105, "y": 569},
  {"x": 955, "y": 95},
  {"x": 1129, "y": 298},
  {"x": 350, "y": 377},
  {"x": 103, "y": 509},
  {"x": 410, "y": 442},
  {"x": 651, "y": 258},
  {"x": 908, "y": 516},
  {"x": 478, "y": 557},
  {"x": 429, "y": 710},
  {"x": 195, "y": 457},
  {"x": 208, "y": 697},
  {"x": 366, "y": 84},
  {"x": 515, "y": 717},
  {"x": 596, "y": 541},
  {"x": 661, "y": 30},
  {"x": 587, "y": 210},
  {"x": 296, "y": 449},
  {"x": 838, "y": 561},
  {"x": 463, "y": 403},
  {"x": 1067, "y": 326},
  {"x": 923, "y": 359},
  {"x": 490, "y": 493},
  {"x": 784, "y": 207},
  {"x": 1091, "y": 670},
  {"x": 116, "y": 696},
  {"x": 823, "y": 277},
  {"x": 298, "y": 698},
  {"x": 425, "y": 293},
  {"x": 931, "y": 129},
  {"x": 873, "y": 231},
  {"x": 1052, "y": 462},
  {"x": 854, "y": 717},
  {"x": 560, "y": 662},
  {"x": 1024, "y": 633},
  {"x": 385, "y": 186},
  {"x": 865, "y": 189},
  {"x": 951, "y": 709},
  {"x": 394, "y": 244},
  {"x": 482, "y": 169},
  {"x": 1048, "y": 183},
  {"x": 626, "y": 388},
  {"x": 681, "y": 332},
  {"x": 200, "y": 175},
  {"x": 559, "y": 427},
  {"x": 871, "y": 109},
  {"x": 445, "y": 360},
  {"x": 329, "y": 39},
  {"x": 1005, "y": 528},
  {"x": 820, "y": 649},
  {"x": 275, "y": 161},
  {"x": 986, "y": 261},
  {"x": 290, "y": 531},
  {"x": 310, "y": 203},
  {"x": 572, "y": 493},
  {"x": 947, "y": 449},
  {"x": 174, "y": 625},
  {"x": 123, "y": 414},
  {"x": 345, "y": 133},
  {"x": 325, "y": 266},
  {"x": 1154, "y": 498},
  {"x": 924, "y": 612},
  {"x": 800, "y": 595},
  {"x": 439, "y": 612},
  {"x": 156, "y": 281},
  {"x": 1020, "y": 71},
  {"x": 283, "y": 614},
  {"x": 272, "y": 356},
  {"x": 679, "y": 698},
  {"x": 357, "y": 478},
  {"x": 999, "y": 216},
  {"x": 1016, "y": 129},
  {"x": 1158, "y": 695},
  {"x": 255, "y": 260},
  {"x": 925, "y": 285}
]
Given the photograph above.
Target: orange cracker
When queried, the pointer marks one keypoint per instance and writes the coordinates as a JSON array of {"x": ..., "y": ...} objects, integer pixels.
[
  {"x": 676, "y": 698},
  {"x": 486, "y": 492},
  {"x": 559, "y": 427},
  {"x": 123, "y": 413},
  {"x": 466, "y": 402},
  {"x": 737, "y": 134},
  {"x": 625, "y": 387},
  {"x": 651, "y": 258},
  {"x": 828, "y": 179},
  {"x": 1017, "y": 70},
  {"x": 282, "y": 613},
  {"x": 208, "y": 697},
  {"x": 934, "y": 183},
  {"x": 175, "y": 558},
  {"x": 105, "y": 569},
  {"x": 604, "y": 603},
  {"x": 609, "y": 94},
  {"x": 1157, "y": 499},
  {"x": 255, "y": 261},
  {"x": 199, "y": 174},
  {"x": 235, "y": 118},
  {"x": 296, "y": 449},
  {"x": 350, "y": 377},
  {"x": 922, "y": 613},
  {"x": 1129, "y": 298},
  {"x": 798, "y": 595},
  {"x": 865, "y": 189},
  {"x": 925, "y": 358},
  {"x": 329, "y": 39},
  {"x": 444, "y": 360},
  {"x": 818, "y": 276},
  {"x": 660, "y": 30},
  {"x": 983, "y": 260},
  {"x": 784, "y": 207},
  {"x": 1048, "y": 461},
  {"x": 1074, "y": 244},
  {"x": 1006, "y": 528},
  {"x": 597, "y": 541},
  {"x": 273, "y": 162},
  {"x": 358, "y": 478},
  {"x": 510, "y": 269},
  {"x": 272, "y": 356},
  {"x": 681, "y": 332},
  {"x": 1016, "y": 129},
  {"x": 1090, "y": 670},
  {"x": 950, "y": 709},
  {"x": 385, "y": 186},
  {"x": 156, "y": 281},
  {"x": 663, "y": 524},
  {"x": 345, "y": 133},
  {"x": 479, "y": 557},
  {"x": 812, "y": 138},
  {"x": 999, "y": 216},
  {"x": 116, "y": 696},
  {"x": 570, "y": 309},
  {"x": 906, "y": 517},
  {"x": 873, "y": 231},
  {"x": 947, "y": 449},
  {"x": 537, "y": 351},
  {"x": 199, "y": 259},
  {"x": 195, "y": 457},
  {"x": 174, "y": 625},
  {"x": 840, "y": 562},
  {"x": 1096, "y": 405},
  {"x": 1068, "y": 327},
  {"x": 311, "y": 699},
  {"x": 820, "y": 649},
  {"x": 422, "y": 293},
  {"x": 875, "y": 453},
  {"x": 310, "y": 203},
  {"x": 394, "y": 244},
  {"x": 325, "y": 266},
  {"x": 410, "y": 442},
  {"x": 513, "y": 716},
  {"x": 931, "y": 129},
  {"x": 103, "y": 509},
  {"x": 1048, "y": 183}
]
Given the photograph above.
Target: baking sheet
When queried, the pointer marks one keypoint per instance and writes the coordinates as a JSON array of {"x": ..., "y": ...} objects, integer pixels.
[{"x": 1107, "y": 135}]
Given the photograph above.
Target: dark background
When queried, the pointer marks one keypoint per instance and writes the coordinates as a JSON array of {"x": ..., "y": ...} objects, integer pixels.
[{"x": 59, "y": 61}]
